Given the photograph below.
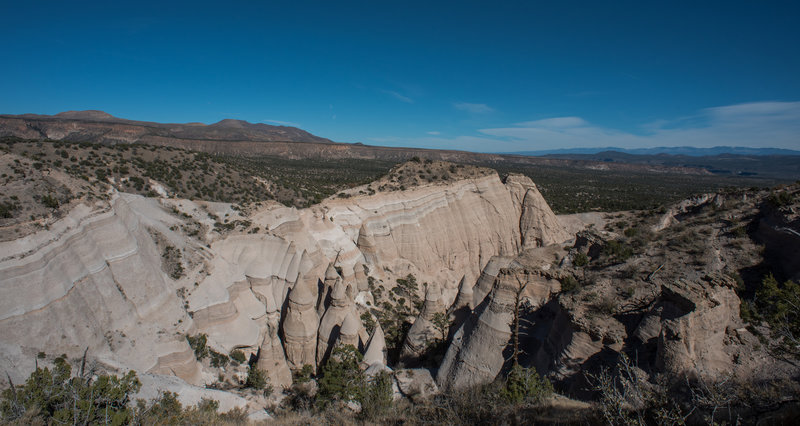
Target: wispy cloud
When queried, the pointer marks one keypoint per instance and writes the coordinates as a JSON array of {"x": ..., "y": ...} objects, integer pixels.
[
  {"x": 755, "y": 124},
  {"x": 398, "y": 96},
  {"x": 434, "y": 133},
  {"x": 473, "y": 108},
  {"x": 282, "y": 123}
]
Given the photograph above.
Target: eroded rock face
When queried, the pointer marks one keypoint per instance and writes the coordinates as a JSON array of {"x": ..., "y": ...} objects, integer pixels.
[
  {"x": 449, "y": 229},
  {"x": 376, "y": 348},
  {"x": 475, "y": 355},
  {"x": 300, "y": 325},
  {"x": 461, "y": 308},
  {"x": 694, "y": 321},
  {"x": 423, "y": 331},
  {"x": 92, "y": 278},
  {"x": 95, "y": 279},
  {"x": 538, "y": 224},
  {"x": 271, "y": 357},
  {"x": 330, "y": 325},
  {"x": 416, "y": 383}
]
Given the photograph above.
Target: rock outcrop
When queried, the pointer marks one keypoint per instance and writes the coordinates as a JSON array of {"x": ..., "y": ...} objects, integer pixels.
[
  {"x": 330, "y": 325},
  {"x": 93, "y": 280},
  {"x": 271, "y": 357},
  {"x": 475, "y": 355},
  {"x": 695, "y": 318},
  {"x": 423, "y": 331},
  {"x": 376, "y": 348},
  {"x": 288, "y": 293},
  {"x": 462, "y": 306},
  {"x": 537, "y": 223},
  {"x": 300, "y": 325}
]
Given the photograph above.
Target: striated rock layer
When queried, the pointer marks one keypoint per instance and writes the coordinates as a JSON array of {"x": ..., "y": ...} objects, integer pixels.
[
  {"x": 94, "y": 281},
  {"x": 285, "y": 291}
]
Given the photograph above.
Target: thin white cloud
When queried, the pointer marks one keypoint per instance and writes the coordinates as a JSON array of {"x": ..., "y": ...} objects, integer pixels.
[
  {"x": 434, "y": 133},
  {"x": 756, "y": 124},
  {"x": 282, "y": 123},
  {"x": 556, "y": 122},
  {"x": 473, "y": 108},
  {"x": 398, "y": 96}
]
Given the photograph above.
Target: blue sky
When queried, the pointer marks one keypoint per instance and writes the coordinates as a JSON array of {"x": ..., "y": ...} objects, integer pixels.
[{"x": 474, "y": 75}]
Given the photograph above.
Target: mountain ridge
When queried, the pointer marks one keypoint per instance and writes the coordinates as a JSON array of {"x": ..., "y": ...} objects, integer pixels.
[{"x": 690, "y": 151}]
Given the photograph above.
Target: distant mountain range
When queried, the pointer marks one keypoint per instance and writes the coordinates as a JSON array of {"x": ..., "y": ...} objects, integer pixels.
[
  {"x": 99, "y": 126},
  {"x": 671, "y": 150},
  {"x": 240, "y": 138}
]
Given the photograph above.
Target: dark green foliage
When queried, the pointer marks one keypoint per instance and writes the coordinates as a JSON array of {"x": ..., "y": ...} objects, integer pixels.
[
  {"x": 617, "y": 251},
  {"x": 394, "y": 312},
  {"x": 172, "y": 262},
  {"x": 368, "y": 321},
  {"x": 168, "y": 410},
  {"x": 218, "y": 359},
  {"x": 50, "y": 202},
  {"x": 256, "y": 379},
  {"x": 781, "y": 198},
  {"x": 524, "y": 385},
  {"x": 303, "y": 375},
  {"x": 441, "y": 321},
  {"x": 573, "y": 189},
  {"x": 60, "y": 398},
  {"x": 376, "y": 396},
  {"x": 199, "y": 345},
  {"x": 779, "y": 305},
  {"x": 342, "y": 379},
  {"x": 569, "y": 283},
  {"x": 238, "y": 356},
  {"x": 7, "y": 210},
  {"x": 581, "y": 260}
]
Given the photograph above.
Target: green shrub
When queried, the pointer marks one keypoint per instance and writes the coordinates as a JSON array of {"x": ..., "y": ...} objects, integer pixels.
[
  {"x": 7, "y": 209},
  {"x": 524, "y": 385},
  {"x": 581, "y": 260},
  {"x": 376, "y": 397},
  {"x": 569, "y": 283},
  {"x": 50, "y": 202},
  {"x": 199, "y": 345},
  {"x": 57, "y": 398},
  {"x": 238, "y": 356},
  {"x": 617, "y": 251},
  {"x": 779, "y": 305},
  {"x": 303, "y": 375},
  {"x": 368, "y": 321},
  {"x": 218, "y": 359},
  {"x": 781, "y": 199},
  {"x": 342, "y": 379},
  {"x": 256, "y": 379}
]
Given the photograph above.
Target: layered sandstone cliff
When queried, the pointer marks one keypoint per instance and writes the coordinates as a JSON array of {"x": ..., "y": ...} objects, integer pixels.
[{"x": 285, "y": 295}]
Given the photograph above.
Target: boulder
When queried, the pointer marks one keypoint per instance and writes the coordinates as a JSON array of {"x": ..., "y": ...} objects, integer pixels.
[{"x": 416, "y": 383}]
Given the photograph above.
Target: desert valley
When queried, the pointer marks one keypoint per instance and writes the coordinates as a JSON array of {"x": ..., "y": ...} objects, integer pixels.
[{"x": 299, "y": 279}]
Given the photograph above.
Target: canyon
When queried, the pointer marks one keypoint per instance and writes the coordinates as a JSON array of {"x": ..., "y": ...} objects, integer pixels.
[{"x": 126, "y": 281}]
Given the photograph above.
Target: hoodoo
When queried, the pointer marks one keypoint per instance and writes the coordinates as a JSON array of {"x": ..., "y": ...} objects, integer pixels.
[
  {"x": 331, "y": 323},
  {"x": 423, "y": 331},
  {"x": 301, "y": 324}
]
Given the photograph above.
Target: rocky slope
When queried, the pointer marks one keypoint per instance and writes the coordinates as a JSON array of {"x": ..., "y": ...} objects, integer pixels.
[
  {"x": 449, "y": 252},
  {"x": 238, "y": 137},
  {"x": 285, "y": 288}
]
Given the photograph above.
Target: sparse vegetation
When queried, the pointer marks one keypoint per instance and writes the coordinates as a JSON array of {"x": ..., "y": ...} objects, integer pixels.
[
  {"x": 238, "y": 356},
  {"x": 198, "y": 344}
]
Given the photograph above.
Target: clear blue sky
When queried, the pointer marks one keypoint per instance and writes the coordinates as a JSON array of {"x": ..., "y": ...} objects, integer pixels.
[{"x": 476, "y": 75}]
